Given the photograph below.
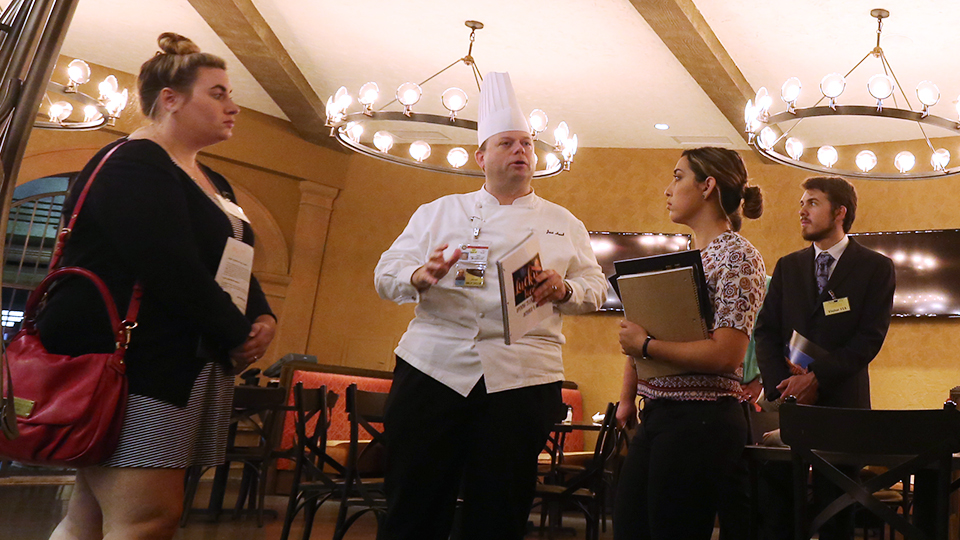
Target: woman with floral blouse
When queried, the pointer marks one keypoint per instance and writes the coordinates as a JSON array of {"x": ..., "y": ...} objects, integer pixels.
[{"x": 694, "y": 429}]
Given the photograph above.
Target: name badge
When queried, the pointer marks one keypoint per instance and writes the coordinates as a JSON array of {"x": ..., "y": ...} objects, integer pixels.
[
  {"x": 231, "y": 208},
  {"x": 839, "y": 305},
  {"x": 472, "y": 266}
]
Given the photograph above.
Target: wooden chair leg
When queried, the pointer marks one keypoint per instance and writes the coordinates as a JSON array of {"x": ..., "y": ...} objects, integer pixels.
[{"x": 191, "y": 480}]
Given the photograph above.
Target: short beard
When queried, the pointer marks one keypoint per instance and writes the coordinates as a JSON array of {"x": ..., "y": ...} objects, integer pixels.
[{"x": 816, "y": 236}]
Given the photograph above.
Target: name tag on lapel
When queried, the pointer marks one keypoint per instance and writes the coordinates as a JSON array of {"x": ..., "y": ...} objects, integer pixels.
[{"x": 838, "y": 305}]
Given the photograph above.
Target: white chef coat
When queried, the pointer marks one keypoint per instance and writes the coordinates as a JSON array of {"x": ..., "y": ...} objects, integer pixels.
[{"x": 457, "y": 334}]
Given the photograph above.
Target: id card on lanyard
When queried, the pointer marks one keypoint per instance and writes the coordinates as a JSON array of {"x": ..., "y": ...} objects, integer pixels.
[{"x": 474, "y": 256}]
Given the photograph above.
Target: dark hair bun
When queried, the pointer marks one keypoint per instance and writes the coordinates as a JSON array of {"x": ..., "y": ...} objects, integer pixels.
[
  {"x": 172, "y": 43},
  {"x": 752, "y": 202}
]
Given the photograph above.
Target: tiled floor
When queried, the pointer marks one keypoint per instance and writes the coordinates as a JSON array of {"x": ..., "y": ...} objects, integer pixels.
[{"x": 31, "y": 513}]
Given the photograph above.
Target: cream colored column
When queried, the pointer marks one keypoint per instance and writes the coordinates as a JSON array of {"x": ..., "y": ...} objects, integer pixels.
[{"x": 306, "y": 259}]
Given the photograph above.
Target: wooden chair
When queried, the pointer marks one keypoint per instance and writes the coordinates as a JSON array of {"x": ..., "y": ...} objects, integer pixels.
[
  {"x": 256, "y": 410},
  {"x": 585, "y": 489},
  {"x": 905, "y": 441},
  {"x": 316, "y": 477},
  {"x": 362, "y": 488}
]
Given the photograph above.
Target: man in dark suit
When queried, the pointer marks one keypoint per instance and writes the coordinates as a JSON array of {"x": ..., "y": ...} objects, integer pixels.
[{"x": 839, "y": 295}]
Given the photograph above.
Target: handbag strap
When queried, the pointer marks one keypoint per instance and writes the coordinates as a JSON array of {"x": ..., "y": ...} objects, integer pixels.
[
  {"x": 65, "y": 232},
  {"x": 121, "y": 329}
]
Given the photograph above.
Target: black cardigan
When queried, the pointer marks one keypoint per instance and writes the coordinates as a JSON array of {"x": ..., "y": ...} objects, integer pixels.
[{"x": 144, "y": 218}]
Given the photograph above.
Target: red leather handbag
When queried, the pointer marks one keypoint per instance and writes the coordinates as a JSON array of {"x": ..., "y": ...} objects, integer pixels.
[{"x": 68, "y": 410}]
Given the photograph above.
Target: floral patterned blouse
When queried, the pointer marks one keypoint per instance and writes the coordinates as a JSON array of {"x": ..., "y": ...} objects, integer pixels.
[{"x": 735, "y": 280}]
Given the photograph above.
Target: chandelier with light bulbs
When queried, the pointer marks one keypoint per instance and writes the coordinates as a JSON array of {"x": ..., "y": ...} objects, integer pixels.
[
  {"x": 96, "y": 113},
  {"x": 770, "y": 133},
  {"x": 368, "y": 131}
]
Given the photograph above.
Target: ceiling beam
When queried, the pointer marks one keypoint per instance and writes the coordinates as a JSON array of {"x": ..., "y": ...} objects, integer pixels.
[
  {"x": 244, "y": 30},
  {"x": 688, "y": 36}
]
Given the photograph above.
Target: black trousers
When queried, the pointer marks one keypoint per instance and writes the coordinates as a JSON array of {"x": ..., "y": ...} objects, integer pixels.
[
  {"x": 483, "y": 447},
  {"x": 671, "y": 482}
]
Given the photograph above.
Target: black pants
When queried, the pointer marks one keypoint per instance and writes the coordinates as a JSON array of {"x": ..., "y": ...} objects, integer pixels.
[
  {"x": 483, "y": 446},
  {"x": 670, "y": 483}
]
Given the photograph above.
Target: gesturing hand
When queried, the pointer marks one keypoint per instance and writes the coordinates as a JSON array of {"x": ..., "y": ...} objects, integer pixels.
[{"x": 432, "y": 272}]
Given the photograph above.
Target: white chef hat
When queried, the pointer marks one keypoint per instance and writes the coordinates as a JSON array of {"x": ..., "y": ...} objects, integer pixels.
[{"x": 499, "y": 109}]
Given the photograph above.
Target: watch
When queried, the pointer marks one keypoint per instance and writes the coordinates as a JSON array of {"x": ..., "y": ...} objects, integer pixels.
[
  {"x": 568, "y": 293},
  {"x": 646, "y": 343}
]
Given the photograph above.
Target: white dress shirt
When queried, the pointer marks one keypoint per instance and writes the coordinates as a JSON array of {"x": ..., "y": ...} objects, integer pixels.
[
  {"x": 836, "y": 251},
  {"x": 457, "y": 334}
]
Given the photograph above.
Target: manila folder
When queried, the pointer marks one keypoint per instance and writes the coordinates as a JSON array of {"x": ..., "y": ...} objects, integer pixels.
[{"x": 666, "y": 304}]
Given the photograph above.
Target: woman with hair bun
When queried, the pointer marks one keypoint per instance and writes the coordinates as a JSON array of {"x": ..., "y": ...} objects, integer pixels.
[
  {"x": 156, "y": 217},
  {"x": 688, "y": 446}
]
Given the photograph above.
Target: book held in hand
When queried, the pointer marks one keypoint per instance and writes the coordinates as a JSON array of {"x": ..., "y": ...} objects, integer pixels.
[
  {"x": 518, "y": 270},
  {"x": 667, "y": 303}
]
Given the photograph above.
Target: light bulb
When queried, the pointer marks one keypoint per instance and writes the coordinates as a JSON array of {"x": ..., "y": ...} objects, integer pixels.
[
  {"x": 369, "y": 93},
  {"x": 928, "y": 93},
  {"x": 457, "y": 157},
  {"x": 408, "y": 94},
  {"x": 108, "y": 87},
  {"x": 749, "y": 113},
  {"x": 866, "y": 160},
  {"x": 940, "y": 158},
  {"x": 571, "y": 145},
  {"x": 768, "y": 138},
  {"x": 832, "y": 85},
  {"x": 354, "y": 131},
  {"x": 561, "y": 133},
  {"x": 880, "y": 86},
  {"x": 763, "y": 101},
  {"x": 59, "y": 111},
  {"x": 116, "y": 103},
  {"x": 419, "y": 150},
  {"x": 790, "y": 90},
  {"x": 78, "y": 71},
  {"x": 454, "y": 99},
  {"x": 827, "y": 155},
  {"x": 794, "y": 148},
  {"x": 342, "y": 100},
  {"x": 904, "y": 161},
  {"x": 538, "y": 121},
  {"x": 91, "y": 114},
  {"x": 383, "y": 140},
  {"x": 332, "y": 114},
  {"x": 552, "y": 161}
]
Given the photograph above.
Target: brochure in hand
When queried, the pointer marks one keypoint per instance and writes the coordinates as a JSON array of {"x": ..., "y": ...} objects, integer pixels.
[
  {"x": 518, "y": 271},
  {"x": 801, "y": 352}
]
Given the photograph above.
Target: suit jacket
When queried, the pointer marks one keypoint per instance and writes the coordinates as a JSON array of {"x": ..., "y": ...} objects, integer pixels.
[{"x": 852, "y": 339}]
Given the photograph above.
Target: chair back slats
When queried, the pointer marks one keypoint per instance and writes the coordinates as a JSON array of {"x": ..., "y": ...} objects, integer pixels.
[
  {"x": 316, "y": 476},
  {"x": 608, "y": 442},
  {"x": 906, "y": 441},
  {"x": 832, "y": 429},
  {"x": 364, "y": 409}
]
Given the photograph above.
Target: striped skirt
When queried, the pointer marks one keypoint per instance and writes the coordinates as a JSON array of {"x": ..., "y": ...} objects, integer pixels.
[{"x": 158, "y": 434}]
